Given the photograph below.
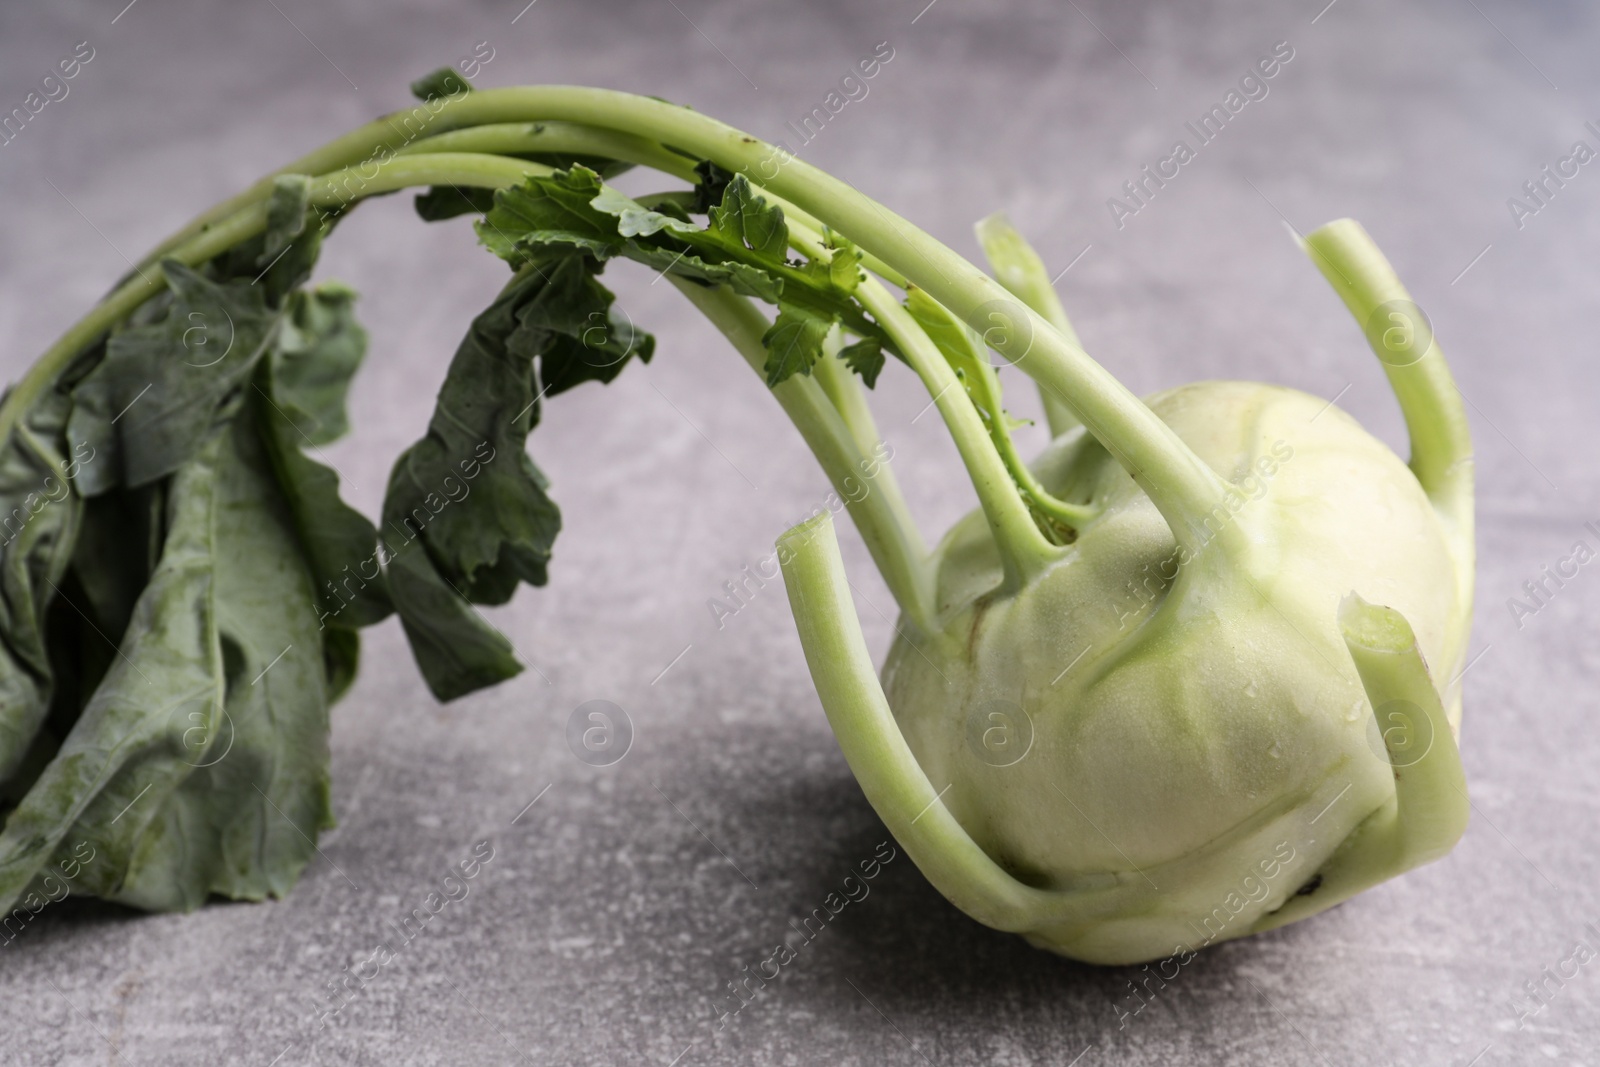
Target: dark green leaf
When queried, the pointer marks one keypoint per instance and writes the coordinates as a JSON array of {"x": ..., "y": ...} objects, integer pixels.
[
  {"x": 466, "y": 515},
  {"x": 128, "y": 744},
  {"x": 456, "y": 650},
  {"x": 442, "y": 82},
  {"x": 145, "y": 410},
  {"x": 244, "y": 821},
  {"x": 794, "y": 342},
  {"x": 340, "y": 545},
  {"x": 448, "y": 201},
  {"x": 865, "y": 358},
  {"x": 317, "y": 351},
  {"x": 40, "y": 518},
  {"x": 713, "y": 183},
  {"x": 569, "y": 324},
  {"x": 200, "y": 765}
]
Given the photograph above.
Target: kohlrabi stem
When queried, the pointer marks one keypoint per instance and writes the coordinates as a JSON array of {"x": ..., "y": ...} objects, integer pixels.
[
  {"x": 1024, "y": 551},
  {"x": 1018, "y": 267},
  {"x": 895, "y": 784},
  {"x": 328, "y": 190},
  {"x": 1429, "y": 810},
  {"x": 1022, "y": 547},
  {"x": 1441, "y": 443},
  {"x": 874, "y": 501},
  {"x": 1182, "y": 487},
  {"x": 557, "y": 138}
]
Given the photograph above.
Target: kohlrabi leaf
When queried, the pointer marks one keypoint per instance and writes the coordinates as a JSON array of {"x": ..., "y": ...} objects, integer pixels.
[
  {"x": 842, "y": 268},
  {"x": 466, "y": 516},
  {"x": 866, "y": 359},
  {"x": 317, "y": 351},
  {"x": 127, "y": 753},
  {"x": 550, "y": 212},
  {"x": 449, "y": 201},
  {"x": 569, "y": 324},
  {"x": 745, "y": 219},
  {"x": 244, "y": 822},
  {"x": 340, "y": 544},
  {"x": 146, "y": 409},
  {"x": 713, "y": 183},
  {"x": 574, "y": 210},
  {"x": 39, "y": 522},
  {"x": 280, "y": 259},
  {"x": 636, "y": 220},
  {"x": 119, "y": 547},
  {"x": 794, "y": 342},
  {"x": 467, "y": 490}
]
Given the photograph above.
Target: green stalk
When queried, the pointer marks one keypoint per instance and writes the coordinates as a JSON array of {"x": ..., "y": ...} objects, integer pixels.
[
  {"x": 1429, "y": 810},
  {"x": 1441, "y": 442},
  {"x": 1018, "y": 267},
  {"x": 1024, "y": 551},
  {"x": 964, "y": 350},
  {"x": 880, "y": 515},
  {"x": 330, "y": 190},
  {"x": 557, "y": 138},
  {"x": 1179, "y": 483},
  {"x": 1182, "y": 487},
  {"x": 895, "y": 784}
]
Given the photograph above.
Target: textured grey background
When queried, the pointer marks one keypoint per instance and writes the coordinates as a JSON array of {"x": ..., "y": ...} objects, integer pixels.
[{"x": 607, "y": 924}]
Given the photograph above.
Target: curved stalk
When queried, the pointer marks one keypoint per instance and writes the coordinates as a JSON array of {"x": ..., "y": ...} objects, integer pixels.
[
  {"x": 1441, "y": 442},
  {"x": 557, "y": 138},
  {"x": 1018, "y": 267},
  {"x": 881, "y": 517},
  {"x": 329, "y": 190},
  {"x": 1429, "y": 810},
  {"x": 965, "y": 352},
  {"x": 1024, "y": 552},
  {"x": 893, "y": 780},
  {"x": 1182, "y": 487}
]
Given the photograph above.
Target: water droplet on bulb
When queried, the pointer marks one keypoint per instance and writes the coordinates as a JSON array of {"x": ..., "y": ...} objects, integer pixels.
[{"x": 1276, "y": 751}]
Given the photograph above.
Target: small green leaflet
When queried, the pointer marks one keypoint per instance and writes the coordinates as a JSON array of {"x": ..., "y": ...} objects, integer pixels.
[
  {"x": 743, "y": 218},
  {"x": 866, "y": 359},
  {"x": 794, "y": 342},
  {"x": 743, "y": 248}
]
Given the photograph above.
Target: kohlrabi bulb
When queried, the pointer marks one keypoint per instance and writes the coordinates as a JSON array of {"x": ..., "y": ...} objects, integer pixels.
[
  {"x": 1186, "y": 727},
  {"x": 1190, "y": 723}
]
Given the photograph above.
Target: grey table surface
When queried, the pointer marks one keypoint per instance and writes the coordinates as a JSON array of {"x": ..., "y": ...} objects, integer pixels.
[{"x": 616, "y": 908}]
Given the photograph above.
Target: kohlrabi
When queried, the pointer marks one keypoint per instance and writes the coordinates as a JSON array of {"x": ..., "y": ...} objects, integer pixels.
[{"x": 1192, "y": 673}]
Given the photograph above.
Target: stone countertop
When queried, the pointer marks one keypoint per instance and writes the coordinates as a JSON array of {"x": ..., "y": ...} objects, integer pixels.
[{"x": 616, "y": 908}]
